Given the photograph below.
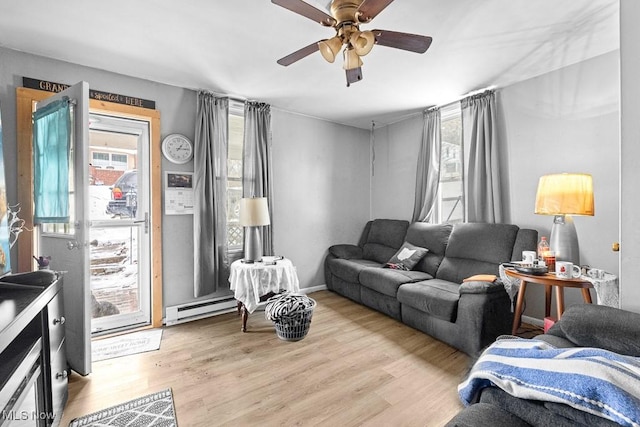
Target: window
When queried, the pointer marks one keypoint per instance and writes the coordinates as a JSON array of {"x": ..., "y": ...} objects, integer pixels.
[
  {"x": 119, "y": 161},
  {"x": 235, "y": 232},
  {"x": 451, "y": 189},
  {"x": 109, "y": 161},
  {"x": 100, "y": 159}
]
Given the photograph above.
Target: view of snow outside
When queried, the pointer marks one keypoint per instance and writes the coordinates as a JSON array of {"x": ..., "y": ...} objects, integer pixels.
[{"x": 114, "y": 259}]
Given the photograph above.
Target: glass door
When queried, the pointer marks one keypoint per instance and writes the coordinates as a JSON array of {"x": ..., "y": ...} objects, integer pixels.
[{"x": 119, "y": 223}]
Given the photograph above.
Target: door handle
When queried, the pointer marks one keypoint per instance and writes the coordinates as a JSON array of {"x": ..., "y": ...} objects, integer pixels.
[
  {"x": 145, "y": 221},
  {"x": 73, "y": 245}
]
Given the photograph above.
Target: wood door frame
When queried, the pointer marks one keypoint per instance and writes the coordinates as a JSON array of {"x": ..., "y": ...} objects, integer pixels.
[{"x": 25, "y": 101}]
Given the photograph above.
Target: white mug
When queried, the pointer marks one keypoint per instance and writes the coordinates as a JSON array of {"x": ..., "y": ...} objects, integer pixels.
[
  {"x": 529, "y": 256},
  {"x": 566, "y": 270}
]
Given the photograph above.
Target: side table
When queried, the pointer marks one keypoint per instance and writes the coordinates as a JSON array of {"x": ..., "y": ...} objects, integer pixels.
[
  {"x": 548, "y": 280},
  {"x": 254, "y": 283}
]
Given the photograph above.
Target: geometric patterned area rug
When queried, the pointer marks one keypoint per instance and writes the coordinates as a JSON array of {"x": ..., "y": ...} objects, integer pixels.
[
  {"x": 124, "y": 345},
  {"x": 153, "y": 410}
]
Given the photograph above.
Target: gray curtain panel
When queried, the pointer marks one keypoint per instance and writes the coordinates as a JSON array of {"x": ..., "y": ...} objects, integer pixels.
[
  {"x": 484, "y": 201},
  {"x": 428, "y": 170},
  {"x": 210, "y": 180},
  {"x": 256, "y": 164}
]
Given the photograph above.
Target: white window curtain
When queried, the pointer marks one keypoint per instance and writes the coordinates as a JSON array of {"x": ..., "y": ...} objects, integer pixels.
[
  {"x": 256, "y": 174},
  {"x": 428, "y": 170},
  {"x": 484, "y": 200},
  {"x": 211, "y": 261}
]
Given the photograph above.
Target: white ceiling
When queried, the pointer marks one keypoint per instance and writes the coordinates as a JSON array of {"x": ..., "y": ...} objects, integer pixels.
[{"x": 231, "y": 47}]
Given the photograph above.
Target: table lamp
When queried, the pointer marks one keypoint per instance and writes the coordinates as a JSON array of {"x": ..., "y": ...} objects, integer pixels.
[
  {"x": 563, "y": 195},
  {"x": 254, "y": 213}
]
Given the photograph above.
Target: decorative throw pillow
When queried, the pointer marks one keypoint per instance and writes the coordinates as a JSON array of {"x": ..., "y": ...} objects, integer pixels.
[{"x": 407, "y": 257}]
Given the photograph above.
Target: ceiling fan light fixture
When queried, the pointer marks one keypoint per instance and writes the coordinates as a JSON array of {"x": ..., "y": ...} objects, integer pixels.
[
  {"x": 351, "y": 59},
  {"x": 362, "y": 42},
  {"x": 330, "y": 48}
]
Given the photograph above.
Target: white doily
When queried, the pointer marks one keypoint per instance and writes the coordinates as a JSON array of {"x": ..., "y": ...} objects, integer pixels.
[
  {"x": 511, "y": 284},
  {"x": 606, "y": 289}
]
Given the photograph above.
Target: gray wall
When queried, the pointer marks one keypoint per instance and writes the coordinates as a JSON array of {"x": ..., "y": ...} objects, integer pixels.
[
  {"x": 320, "y": 170},
  {"x": 321, "y": 182},
  {"x": 565, "y": 120},
  {"x": 394, "y": 174}
]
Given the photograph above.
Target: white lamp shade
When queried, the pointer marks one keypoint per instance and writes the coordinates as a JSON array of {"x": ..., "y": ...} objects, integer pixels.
[
  {"x": 254, "y": 212},
  {"x": 565, "y": 194}
]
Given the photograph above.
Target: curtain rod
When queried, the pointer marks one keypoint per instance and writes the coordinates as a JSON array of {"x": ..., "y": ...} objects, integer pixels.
[
  {"x": 466, "y": 95},
  {"x": 224, "y": 95},
  {"x": 432, "y": 107}
]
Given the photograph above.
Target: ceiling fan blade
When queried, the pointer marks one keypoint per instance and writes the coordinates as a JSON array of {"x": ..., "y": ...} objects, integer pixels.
[
  {"x": 411, "y": 42},
  {"x": 354, "y": 75},
  {"x": 306, "y": 10},
  {"x": 298, "y": 54},
  {"x": 369, "y": 9}
]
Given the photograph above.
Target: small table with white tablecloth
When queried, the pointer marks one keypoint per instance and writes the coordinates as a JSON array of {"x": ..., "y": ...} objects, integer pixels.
[{"x": 253, "y": 283}]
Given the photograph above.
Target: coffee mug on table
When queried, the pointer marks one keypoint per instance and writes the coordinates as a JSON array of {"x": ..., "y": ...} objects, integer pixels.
[
  {"x": 529, "y": 256},
  {"x": 566, "y": 270}
]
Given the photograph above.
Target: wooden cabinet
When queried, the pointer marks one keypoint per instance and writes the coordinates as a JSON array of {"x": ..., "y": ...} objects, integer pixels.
[{"x": 33, "y": 366}]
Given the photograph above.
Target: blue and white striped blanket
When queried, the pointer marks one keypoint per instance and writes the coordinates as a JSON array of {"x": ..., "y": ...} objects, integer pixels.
[{"x": 593, "y": 380}]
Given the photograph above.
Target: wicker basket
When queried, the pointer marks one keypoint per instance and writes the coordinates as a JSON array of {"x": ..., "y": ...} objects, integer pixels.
[{"x": 296, "y": 326}]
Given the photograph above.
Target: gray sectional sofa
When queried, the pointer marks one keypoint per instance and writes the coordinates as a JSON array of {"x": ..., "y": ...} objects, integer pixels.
[{"x": 432, "y": 297}]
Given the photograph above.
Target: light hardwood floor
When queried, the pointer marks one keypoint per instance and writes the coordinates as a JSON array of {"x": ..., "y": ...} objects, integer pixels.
[{"x": 355, "y": 367}]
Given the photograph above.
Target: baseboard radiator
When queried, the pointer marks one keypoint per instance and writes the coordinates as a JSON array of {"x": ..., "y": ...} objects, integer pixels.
[{"x": 199, "y": 310}]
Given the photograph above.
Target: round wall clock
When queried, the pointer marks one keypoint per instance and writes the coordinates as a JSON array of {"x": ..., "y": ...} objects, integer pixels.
[{"x": 177, "y": 148}]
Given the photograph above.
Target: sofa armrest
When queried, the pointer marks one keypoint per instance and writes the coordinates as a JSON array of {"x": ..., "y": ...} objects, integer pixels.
[
  {"x": 346, "y": 251},
  {"x": 480, "y": 287},
  {"x": 590, "y": 325}
]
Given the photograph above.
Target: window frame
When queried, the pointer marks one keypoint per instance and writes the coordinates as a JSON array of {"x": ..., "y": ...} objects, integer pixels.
[
  {"x": 450, "y": 112},
  {"x": 236, "y": 110}
]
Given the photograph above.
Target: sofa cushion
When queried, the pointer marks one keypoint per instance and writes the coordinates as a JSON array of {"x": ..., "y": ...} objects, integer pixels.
[
  {"x": 457, "y": 269},
  {"x": 387, "y": 281},
  {"x": 590, "y": 325},
  {"x": 526, "y": 240},
  {"x": 407, "y": 257},
  {"x": 346, "y": 251},
  {"x": 433, "y": 237},
  {"x": 530, "y": 411},
  {"x": 579, "y": 417},
  {"x": 484, "y": 414},
  {"x": 349, "y": 269},
  {"x": 476, "y": 248},
  {"x": 384, "y": 239},
  {"x": 438, "y": 298}
]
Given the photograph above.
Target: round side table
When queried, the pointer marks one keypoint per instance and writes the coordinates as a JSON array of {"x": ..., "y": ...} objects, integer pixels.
[
  {"x": 548, "y": 280},
  {"x": 254, "y": 283}
]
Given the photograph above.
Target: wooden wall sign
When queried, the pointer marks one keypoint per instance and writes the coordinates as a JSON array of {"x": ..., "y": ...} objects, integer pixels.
[{"x": 93, "y": 94}]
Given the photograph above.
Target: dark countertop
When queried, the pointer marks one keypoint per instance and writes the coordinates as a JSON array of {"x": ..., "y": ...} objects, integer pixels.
[{"x": 20, "y": 302}]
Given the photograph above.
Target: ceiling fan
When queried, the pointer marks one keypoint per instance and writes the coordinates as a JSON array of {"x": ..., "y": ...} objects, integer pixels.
[{"x": 346, "y": 17}]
